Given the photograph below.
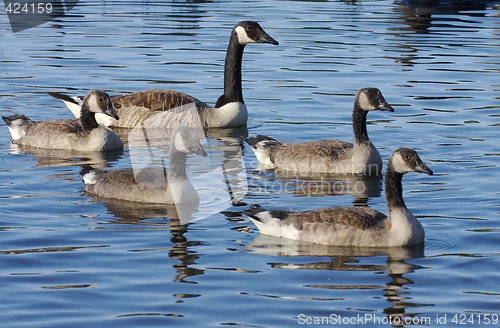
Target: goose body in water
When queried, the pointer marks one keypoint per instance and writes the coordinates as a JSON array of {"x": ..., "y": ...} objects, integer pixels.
[
  {"x": 328, "y": 156},
  {"x": 229, "y": 110},
  {"x": 354, "y": 226},
  {"x": 78, "y": 134},
  {"x": 151, "y": 185}
]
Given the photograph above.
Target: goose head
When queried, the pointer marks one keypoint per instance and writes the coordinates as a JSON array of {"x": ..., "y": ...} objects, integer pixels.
[
  {"x": 405, "y": 160},
  {"x": 98, "y": 101},
  {"x": 251, "y": 32},
  {"x": 371, "y": 99},
  {"x": 185, "y": 140}
]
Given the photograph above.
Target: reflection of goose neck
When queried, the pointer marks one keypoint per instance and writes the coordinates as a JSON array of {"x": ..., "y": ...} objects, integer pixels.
[
  {"x": 232, "y": 73},
  {"x": 87, "y": 118}
]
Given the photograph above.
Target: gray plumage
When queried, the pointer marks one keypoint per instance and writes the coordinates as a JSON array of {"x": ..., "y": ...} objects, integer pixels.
[
  {"x": 152, "y": 184},
  {"x": 78, "y": 134},
  {"x": 354, "y": 226},
  {"x": 328, "y": 156}
]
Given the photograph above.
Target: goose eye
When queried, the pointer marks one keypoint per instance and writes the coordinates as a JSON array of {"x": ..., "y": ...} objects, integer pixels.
[{"x": 249, "y": 28}]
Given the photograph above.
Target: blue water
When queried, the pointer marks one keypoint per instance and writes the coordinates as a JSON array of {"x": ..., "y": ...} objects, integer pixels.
[{"x": 69, "y": 260}]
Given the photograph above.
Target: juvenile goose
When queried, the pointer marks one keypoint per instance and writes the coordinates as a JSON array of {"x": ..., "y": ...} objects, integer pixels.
[
  {"x": 229, "y": 110},
  {"x": 354, "y": 226},
  {"x": 79, "y": 134},
  {"x": 328, "y": 156},
  {"x": 150, "y": 185}
]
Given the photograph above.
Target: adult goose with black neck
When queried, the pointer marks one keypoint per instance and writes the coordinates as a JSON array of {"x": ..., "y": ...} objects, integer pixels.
[
  {"x": 354, "y": 226},
  {"x": 78, "y": 134},
  {"x": 328, "y": 156},
  {"x": 229, "y": 110}
]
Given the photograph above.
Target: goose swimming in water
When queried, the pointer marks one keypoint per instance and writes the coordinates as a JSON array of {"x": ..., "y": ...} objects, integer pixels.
[
  {"x": 150, "y": 185},
  {"x": 354, "y": 226},
  {"x": 79, "y": 134},
  {"x": 229, "y": 110},
  {"x": 328, "y": 156}
]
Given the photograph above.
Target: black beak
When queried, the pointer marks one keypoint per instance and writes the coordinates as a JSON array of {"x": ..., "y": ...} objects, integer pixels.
[
  {"x": 266, "y": 38},
  {"x": 198, "y": 149},
  {"x": 422, "y": 168},
  {"x": 384, "y": 105},
  {"x": 111, "y": 111}
]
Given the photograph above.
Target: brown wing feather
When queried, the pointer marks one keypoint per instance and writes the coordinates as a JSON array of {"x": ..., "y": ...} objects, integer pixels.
[
  {"x": 155, "y": 100},
  {"x": 337, "y": 217},
  {"x": 335, "y": 149}
]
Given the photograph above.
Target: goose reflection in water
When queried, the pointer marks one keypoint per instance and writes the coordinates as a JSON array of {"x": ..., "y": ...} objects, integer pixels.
[
  {"x": 58, "y": 157},
  {"x": 172, "y": 218},
  {"x": 295, "y": 255},
  {"x": 359, "y": 186}
]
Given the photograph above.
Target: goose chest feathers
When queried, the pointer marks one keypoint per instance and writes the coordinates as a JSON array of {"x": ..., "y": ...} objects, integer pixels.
[
  {"x": 152, "y": 184},
  {"x": 328, "y": 156},
  {"x": 229, "y": 110},
  {"x": 78, "y": 134},
  {"x": 354, "y": 226}
]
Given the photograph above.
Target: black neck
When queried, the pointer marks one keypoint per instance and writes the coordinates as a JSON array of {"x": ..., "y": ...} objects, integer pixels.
[
  {"x": 359, "y": 124},
  {"x": 177, "y": 168},
  {"x": 87, "y": 118},
  {"x": 394, "y": 189},
  {"x": 232, "y": 73}
]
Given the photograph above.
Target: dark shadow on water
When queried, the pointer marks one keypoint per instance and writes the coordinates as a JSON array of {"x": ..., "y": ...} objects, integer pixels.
[{"x": 421, "y": 16}]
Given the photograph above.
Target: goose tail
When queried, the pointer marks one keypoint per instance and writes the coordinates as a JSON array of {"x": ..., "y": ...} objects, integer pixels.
[
  {"x": 253, "y": 213},
  {"x": 74, "y": 104},
  {"x": 18, "y": 125},
  {"x": 263, "y": 147},
  {"x": 90, "y": 178},
  {"x": 271, "y": 222}
]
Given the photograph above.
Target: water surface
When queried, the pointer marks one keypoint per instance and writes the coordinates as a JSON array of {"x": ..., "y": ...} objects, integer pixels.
[{"x": 67, "y": 259}]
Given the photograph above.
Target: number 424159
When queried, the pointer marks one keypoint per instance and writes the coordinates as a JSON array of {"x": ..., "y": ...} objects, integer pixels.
[
  {"x": 29, "y": 8},
  {"x": 471, "y": 319}
]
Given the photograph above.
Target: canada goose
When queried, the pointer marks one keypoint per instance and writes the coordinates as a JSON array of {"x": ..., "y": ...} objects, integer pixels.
[
  {"x": 229, "y": 110},
  {"x": 354, "y": 226},
  {"x": 328, "y": 156},
  {"x": 150, "y": 185},
  {"x": 80, "y": 134}
]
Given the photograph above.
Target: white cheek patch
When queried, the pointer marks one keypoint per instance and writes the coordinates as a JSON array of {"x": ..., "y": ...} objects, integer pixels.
[
  {"x": 180, "y": 144},
  {"x": 93, "y": 104},
  {"x": 242, "y": 35},
  {"x": 364, "y": 102},
  {"x": 399, "y": 164}
]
